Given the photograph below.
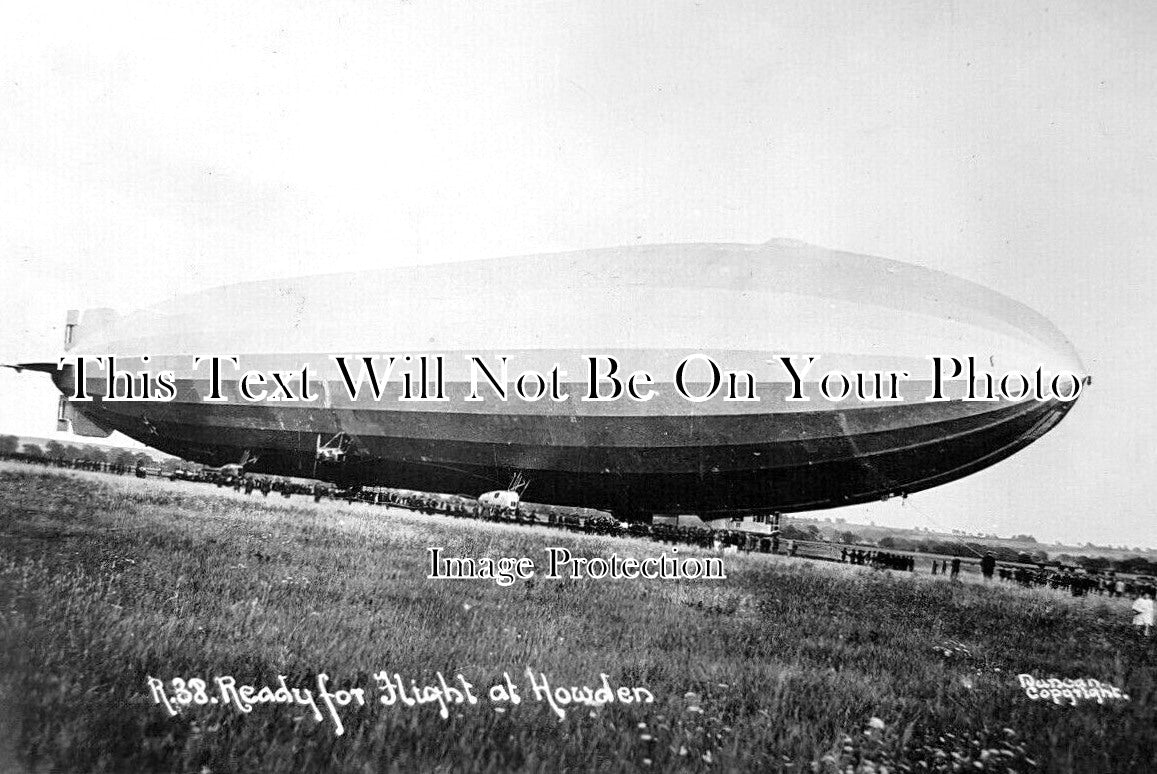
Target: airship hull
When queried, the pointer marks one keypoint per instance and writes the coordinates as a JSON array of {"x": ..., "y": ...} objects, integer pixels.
[
  {"x": 781, "y": 476},
  {"x": 649, "y": 309}
]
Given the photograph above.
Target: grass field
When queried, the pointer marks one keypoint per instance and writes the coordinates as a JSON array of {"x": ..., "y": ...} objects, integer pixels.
[{"x": 787, "y": 665}]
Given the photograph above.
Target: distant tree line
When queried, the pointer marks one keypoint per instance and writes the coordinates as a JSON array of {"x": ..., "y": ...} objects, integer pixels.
[
  {"x": 1135, "y": 565},
  {"x": 55, "y": 450},
  {"x": 965, "y": 549}
]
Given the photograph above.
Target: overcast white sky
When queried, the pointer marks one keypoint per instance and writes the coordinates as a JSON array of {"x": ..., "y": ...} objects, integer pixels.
[{"x": 147, "y": 150}]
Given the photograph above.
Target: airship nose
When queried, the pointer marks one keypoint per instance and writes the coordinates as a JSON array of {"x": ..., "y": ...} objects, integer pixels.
[
  {"x": 1010, "y": 335},
  {"x": 1053, "y": 352},
  {"x": 1065, "y": 357}
]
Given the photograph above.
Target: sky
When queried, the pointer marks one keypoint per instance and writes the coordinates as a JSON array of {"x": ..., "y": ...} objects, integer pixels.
[{"x": 148, "y": 150}]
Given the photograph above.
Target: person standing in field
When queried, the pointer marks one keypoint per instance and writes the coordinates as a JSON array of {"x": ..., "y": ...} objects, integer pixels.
[
  {"x": 987, "y": 566},
  {"x": 956, "y": 568},
  {"x": 1144, "y": 608}
]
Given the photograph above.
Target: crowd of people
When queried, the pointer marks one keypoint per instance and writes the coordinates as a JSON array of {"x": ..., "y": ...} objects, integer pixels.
[
  {"x": 1078, "y": 583},
  {"x": 879, "y": 559},
  {"x": 96, "y": 466}
]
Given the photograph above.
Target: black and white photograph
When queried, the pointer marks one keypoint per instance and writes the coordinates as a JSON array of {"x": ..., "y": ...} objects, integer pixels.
[{"x": 544, "y": 386}]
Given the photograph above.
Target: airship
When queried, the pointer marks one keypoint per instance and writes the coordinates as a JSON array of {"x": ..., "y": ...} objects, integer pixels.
[{"x": 708, "y": 379}]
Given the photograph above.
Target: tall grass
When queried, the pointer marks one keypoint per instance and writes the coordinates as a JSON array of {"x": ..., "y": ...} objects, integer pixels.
[{"x": 106, "y": 581}]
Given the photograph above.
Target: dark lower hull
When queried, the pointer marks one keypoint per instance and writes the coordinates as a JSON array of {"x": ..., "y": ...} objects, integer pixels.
[{"x": 823, "y": 470}]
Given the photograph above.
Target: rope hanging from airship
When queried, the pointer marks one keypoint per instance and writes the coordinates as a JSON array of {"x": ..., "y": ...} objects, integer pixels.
[
  {"x": 905, "y": 502},
  {"x": 890, "y": 485}
]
